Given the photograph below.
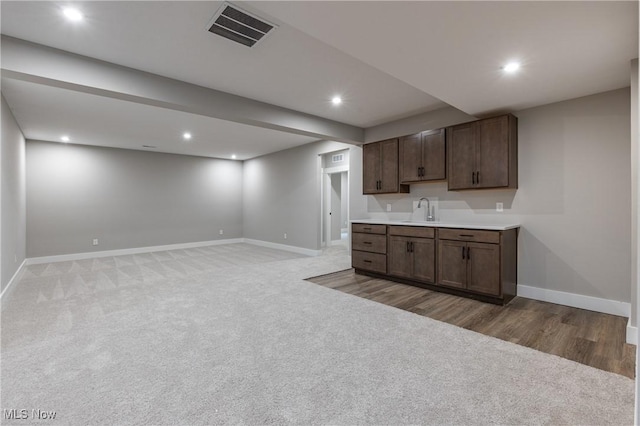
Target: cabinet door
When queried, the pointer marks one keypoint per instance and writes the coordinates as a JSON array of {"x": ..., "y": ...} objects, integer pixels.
[
  {"x": 461, "y": 150},
  {"x": 483, "y": 263},
  {"x": 370, "y": 168},
  {"x": 433, "y": 155},
  {"x": 492, "y": 157},
  {"x": 389, "y": 165},
  {"x": 452, "y": 263},
  {"x": 410, "y": 158},
  {"x": 399, "y": 257},
  {"x": 424, "y": 259}
]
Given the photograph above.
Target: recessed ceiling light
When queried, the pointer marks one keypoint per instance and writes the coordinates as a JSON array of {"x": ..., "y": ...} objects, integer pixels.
[
  {"x": 65, "y": 138},
  {"x": 186, "y": 136},
  {"x": 511, "y": 67},
  {"x": 233, "y": 157},
  {"x": 72, "y": 14},
  {"x": 336, "y": 100}
]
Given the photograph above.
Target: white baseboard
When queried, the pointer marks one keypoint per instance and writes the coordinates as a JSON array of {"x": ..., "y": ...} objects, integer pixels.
[
  {"x": 590, "y": 303},
  {"x": 293, "y": 249},
  {"x": 123, "y": 252},
  {"x": 138, "y": 250},
  {"x": 597, "y": 304},
  {"x": 13, "y": 279},
  {"x": 632, "y": 333}
]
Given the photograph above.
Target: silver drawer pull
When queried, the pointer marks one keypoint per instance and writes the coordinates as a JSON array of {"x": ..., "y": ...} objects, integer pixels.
[
  {"x": 367, "y": 261},
  {"x": 465, "y": 235}
]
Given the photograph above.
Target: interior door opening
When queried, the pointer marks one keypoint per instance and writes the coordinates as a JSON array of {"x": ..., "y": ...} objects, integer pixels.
[{"x": 335, "y": 199}]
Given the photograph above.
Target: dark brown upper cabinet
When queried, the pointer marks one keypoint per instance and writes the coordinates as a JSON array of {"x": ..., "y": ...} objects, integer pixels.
[
  {"x": 483, "y": 154},
  {"x": 380, "y": 168},
  {"x": 422, "y": 157}
]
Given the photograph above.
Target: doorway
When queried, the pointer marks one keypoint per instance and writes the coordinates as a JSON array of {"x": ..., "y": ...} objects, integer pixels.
[
  {"x": 335, "y": 199},
  {"x": 337, "y": 215}
]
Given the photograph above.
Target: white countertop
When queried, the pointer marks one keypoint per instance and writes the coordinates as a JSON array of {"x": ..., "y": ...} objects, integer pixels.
[{"x": 462, "y": 225}]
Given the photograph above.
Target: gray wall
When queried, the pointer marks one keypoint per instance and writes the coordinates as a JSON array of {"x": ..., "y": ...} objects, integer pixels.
[
  {"x": 573, "y": 199},
  {"x": 358, "y": 206},
  {"x": 282, "y": 193},
  {"x": 12, "y": 196},
  {"x": 126, "y": 198}
]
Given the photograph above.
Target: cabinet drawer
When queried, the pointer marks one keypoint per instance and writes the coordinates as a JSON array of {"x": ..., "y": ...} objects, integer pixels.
[
  {"x": 492, "y": 237},
  {"x": 412, "y": 231},
  {"x": 373, "y": 262},
  {"x": 369, "y": 242},
  {"x": 369, "y": 229}
]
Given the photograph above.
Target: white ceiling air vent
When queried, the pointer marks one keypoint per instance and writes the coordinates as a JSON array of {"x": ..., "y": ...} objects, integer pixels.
[{"x": 237, "y": 25}]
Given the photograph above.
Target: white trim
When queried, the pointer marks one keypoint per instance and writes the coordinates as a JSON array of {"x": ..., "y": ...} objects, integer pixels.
[
  {"x": 123, "y": 252},
  {"x": 293, "y": 249},
  {"x": 632, "y": 333},
  {"x": 597, "y": 304},
  {"x": 138, "y": 250},
  {"x": 327, "y": 209},
  {"x": 14, "y": 278},
  {"x": 336, "y": 169}
]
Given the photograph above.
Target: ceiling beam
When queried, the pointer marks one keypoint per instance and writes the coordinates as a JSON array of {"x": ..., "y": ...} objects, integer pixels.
[{"x": 26, "y": 61}]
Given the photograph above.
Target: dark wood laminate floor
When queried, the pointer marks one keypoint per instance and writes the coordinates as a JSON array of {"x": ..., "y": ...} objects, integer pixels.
[{"x": 591, "y": 338}]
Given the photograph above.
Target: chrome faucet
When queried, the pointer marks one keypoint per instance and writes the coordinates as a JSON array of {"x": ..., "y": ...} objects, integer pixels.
[{"x": 428, "y": 214}]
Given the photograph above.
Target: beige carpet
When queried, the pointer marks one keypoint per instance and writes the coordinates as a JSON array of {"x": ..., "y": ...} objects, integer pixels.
[{"x": 233, "y": 335}]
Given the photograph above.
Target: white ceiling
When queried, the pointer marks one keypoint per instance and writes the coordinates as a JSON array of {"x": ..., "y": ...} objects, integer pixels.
[
  {"x": 290, "y": 68},
  {"x": 388, "y": 59},
  {"x": 47, "y": 113},
  {"x": 454, "y": 50}
]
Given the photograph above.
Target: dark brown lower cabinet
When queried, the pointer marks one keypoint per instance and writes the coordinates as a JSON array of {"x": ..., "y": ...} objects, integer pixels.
[
  {"x": 412, "y": 258},
  {"x": 452, "y": 266},
  {"x": 367, "y": 261},
  {"x": 481, "y": 264},
  {"x": 470, "y": 266},
  {"x": 369, "y": 247},
  {"x": 483, "y": 268}
]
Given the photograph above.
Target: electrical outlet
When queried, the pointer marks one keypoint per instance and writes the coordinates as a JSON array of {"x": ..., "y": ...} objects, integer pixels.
[
  {"x": 221, "y": 232},
  {"x": 388, "y": 207},
  {"x": 499, "y": 207},
  {"x": 95, "y": 241},
  {"x": 15, "y": 258},
  {"x": 285, "y": 235}
]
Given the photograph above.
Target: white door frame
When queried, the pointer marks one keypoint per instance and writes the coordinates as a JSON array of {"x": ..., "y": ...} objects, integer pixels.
[{"x": 326, "y": 195}]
